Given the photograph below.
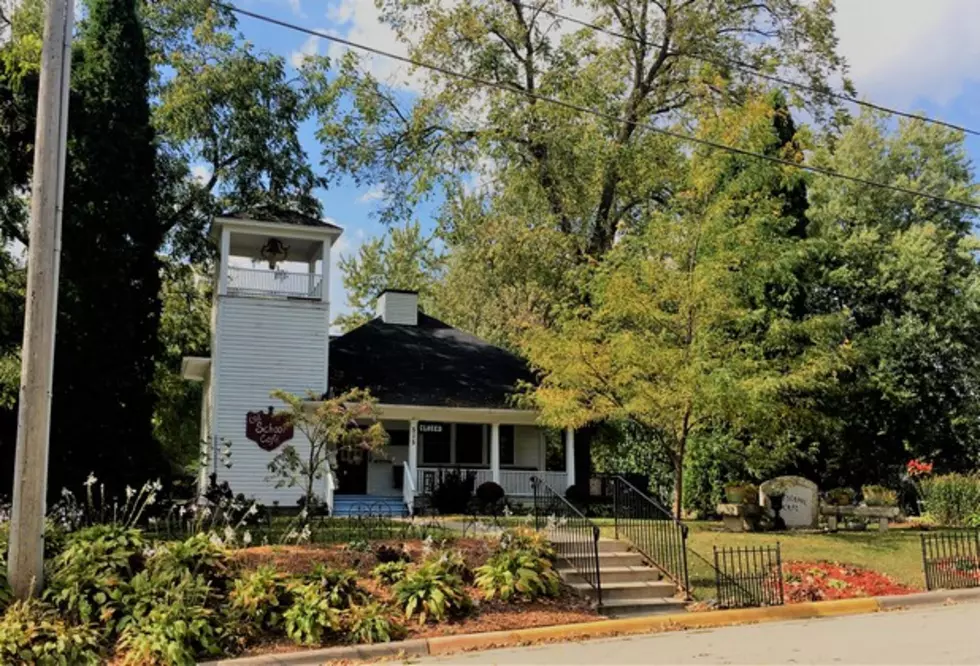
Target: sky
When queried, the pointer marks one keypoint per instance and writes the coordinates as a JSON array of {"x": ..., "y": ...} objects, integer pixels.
[{"x": 906, "y": 54}]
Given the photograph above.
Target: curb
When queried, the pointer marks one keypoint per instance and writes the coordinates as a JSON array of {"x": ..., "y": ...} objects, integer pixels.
[{"x": 442, "y": 645}]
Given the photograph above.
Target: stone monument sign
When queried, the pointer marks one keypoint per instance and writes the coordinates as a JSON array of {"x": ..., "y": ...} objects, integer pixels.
[{"x": 800, "y": 500}]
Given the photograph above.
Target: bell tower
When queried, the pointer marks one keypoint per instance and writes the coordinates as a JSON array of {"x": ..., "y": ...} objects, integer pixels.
[{"x": 270, "y": 324}]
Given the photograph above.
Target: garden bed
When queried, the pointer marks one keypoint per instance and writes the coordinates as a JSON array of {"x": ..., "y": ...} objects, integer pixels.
[
  {"x": 824, "y": 581},
  {"x": 486, "y": 616}
]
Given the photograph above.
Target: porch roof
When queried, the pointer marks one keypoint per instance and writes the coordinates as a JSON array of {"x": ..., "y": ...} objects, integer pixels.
[{"x": 431, "y": 364}]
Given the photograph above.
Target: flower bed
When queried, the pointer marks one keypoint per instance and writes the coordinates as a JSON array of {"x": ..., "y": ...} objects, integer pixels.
[{"x": 819, "y": 581}]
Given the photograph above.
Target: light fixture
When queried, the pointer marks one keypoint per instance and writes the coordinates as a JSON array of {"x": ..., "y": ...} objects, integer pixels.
[{"x": 274, "y": 251}]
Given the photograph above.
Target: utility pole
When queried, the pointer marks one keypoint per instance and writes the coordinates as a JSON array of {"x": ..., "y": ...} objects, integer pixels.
[{"x": 26, "y": 558}]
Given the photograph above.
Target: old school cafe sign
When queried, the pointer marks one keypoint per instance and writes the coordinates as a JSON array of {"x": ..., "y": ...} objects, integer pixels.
[{"x": 268, "y": 430}]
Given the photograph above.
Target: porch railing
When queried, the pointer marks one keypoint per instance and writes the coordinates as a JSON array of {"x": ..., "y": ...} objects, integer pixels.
[
  {"x": 516, "y": 483},
  {"x": 576, "y": 537},
  {"x": 652, "y": 530},
  {"x": 279, "y": 284}
]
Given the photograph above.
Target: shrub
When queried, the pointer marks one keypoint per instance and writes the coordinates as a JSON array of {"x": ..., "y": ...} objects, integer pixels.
[
  {"x": 453, "y": 491},
  {"x": 310, "y": 617},
  {"x": 951, "y": 499},
  {"x": 578, "y": 494},
  {"x": 839, "y": 497},
  {"x": 517, "y": 573},
  {"x": 525, "y": 539},
  {"x": 90, "y": 577},
  {"x": 879, "y": 496},
  {"x": 372, "y": 624},
  {"x": 490, "y": 496},
  {"x": 33, "y": 633},
  {"x": 431, "y": 591},
  {"x": 388, "y": 573},
  {"x": 258, "y": 599},
  {"x": 339, "y": 586},
  {"x": 385, "y": 553}
]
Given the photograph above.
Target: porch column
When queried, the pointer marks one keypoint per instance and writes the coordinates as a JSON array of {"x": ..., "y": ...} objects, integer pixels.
[
  {"x": 223, "y": 261},
  {"x": 325, "y": 272},
  {"x": 495, "y": 452},
  {"x": 413, "y": 448},
  {"x": 311, "y": 276},
  {"x": 570, "y": 456}
]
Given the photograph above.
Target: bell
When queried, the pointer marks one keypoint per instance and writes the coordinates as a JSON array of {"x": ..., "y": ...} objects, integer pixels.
[{"x": 274, "y": 251}]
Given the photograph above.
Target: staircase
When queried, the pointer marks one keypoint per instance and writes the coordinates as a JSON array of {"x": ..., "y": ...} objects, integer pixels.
[
  {"x": 630, "y": 586},
  {"x": 346, "y": 506}
]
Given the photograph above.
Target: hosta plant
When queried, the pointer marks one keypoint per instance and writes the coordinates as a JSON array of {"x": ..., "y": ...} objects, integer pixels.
[
  {"x": 523, "y": 574},
  {"x": 431, "y": 591},
  {"x": 389, "y": 573},
  {"x": 258, "y": 599},
  {"x": 90, "y": 577},
  {"x": 528, "y": 540},
  {"x": 310, "y": 617},
  {"x": 33, "y": 633},
  {"x": 339, "y": 586},
  {"x": 452, "y": 562},
  {"x": 372, "y": 623},
  {"x": 198, "y": 554}
]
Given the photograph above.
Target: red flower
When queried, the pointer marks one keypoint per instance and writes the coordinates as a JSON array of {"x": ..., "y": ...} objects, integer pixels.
[{"x": 918, "y": 468}]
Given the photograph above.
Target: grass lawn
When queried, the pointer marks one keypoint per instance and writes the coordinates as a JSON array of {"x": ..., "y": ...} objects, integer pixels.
[{"x": 896, "y": 553}]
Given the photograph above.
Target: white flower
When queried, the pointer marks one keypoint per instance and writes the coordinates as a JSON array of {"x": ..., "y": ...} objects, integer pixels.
[
  {"x": 91, "y": 480},
  {"x": 182, "y": 510},
  {"x": 507, "y": 512},
  {"x": 305, "y": 534},
  {"x": 151, "y": 499},
  {"x": 216, "y": 540},
  {"x": 427, "y": 545},
  {"x": 562, "y": 521},
  {"x": 205, "y": 512},
  {"x": 247, "y": 538},
  {"x": 66, "y": 493},
  {"x": 129, "y": 493},
  {"x": 290, "y": 535},
  {"x": 302, "y": 514},
  {"x": 229, "y": 534},
  {"x": 157, "y": 485},
  {"x": 254, "y": 509},
  {"x": 152, "y": 520}
]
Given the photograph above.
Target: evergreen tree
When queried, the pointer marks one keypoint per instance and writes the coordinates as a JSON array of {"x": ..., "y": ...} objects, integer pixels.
[{"x": 109, "y": 306}]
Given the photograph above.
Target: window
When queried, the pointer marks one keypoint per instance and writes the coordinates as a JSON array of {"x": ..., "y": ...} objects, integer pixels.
[
  {"x": 469, "y": 444},
  {"x": 506, "y": 445},
  {"x": 435, "y": 443}
]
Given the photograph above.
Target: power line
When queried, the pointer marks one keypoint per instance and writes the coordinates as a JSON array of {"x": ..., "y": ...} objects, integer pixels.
[
  {"x": 753, "y": 71},
  {"x": 594, "y": 112}
]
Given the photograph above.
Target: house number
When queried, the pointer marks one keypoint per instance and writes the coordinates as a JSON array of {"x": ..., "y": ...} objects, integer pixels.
[{"x": 430, "y": 427}]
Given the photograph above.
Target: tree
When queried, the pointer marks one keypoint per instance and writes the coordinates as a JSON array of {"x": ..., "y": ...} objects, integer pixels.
[
  {"x": 185, "y": 330},
  {"x": 345, "y": 423},
  {"x": 401, "y": 259},
  {"x": 668, "y": 338}
]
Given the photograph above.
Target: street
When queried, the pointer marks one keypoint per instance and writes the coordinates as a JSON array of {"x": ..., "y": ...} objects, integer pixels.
[{"x": 940, "y": 635}]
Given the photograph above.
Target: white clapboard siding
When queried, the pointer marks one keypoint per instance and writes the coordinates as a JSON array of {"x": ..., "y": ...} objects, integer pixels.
[{"x": 262, "y": 345}]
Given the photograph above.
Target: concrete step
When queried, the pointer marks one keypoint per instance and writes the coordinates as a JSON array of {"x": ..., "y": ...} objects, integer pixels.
[
  {"x": 634, "y": 591},
  {"x": 614, "y": 574},
  {"x": 607, "y": 559},
  {"x": 605, "y": 546},
  {"x": 622, "y": 608}
]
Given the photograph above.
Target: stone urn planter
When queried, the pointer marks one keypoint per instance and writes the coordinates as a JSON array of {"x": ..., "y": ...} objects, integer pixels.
[{"x": 740, "y": 517}]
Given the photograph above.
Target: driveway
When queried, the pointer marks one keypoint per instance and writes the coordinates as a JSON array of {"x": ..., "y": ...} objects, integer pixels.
[{"x": 938, "y": 635}]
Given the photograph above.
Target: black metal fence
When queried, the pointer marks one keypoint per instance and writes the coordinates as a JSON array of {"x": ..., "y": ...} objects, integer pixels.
[
  {"x": 652, "y": 530},
  {"x": 576, "y": 537},
  {"x": 951, "y": 560},
  {"x": 749, "y": 576}
]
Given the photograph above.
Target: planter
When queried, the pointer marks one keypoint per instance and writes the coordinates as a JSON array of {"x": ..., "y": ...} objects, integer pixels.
[
  {"x": 741, "y": 493},
  {"x": 740, "y": 517}
]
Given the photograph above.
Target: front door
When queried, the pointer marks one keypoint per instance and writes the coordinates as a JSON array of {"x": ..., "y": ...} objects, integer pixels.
[{"x": 352, "y": 473}]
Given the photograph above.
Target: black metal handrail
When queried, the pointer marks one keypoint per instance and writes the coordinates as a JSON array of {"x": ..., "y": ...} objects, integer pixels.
[
  {"x": 748, "y": 576},
  {"x": 577, "y": 535},
  {"x": 652, "y": 530}
]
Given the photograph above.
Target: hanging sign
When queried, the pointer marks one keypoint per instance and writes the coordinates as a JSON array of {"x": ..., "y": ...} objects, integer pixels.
[{"x": 268, "y": 430}]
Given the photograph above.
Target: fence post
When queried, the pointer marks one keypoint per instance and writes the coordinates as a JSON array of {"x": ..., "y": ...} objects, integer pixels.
[
  {"x": 925, "y": 562},
  {"x": 615, "y": 485},
  {"x": 595, "y": 552},
  {"x": 534, "y": 490},
  {"x": 779, "y": 573}
]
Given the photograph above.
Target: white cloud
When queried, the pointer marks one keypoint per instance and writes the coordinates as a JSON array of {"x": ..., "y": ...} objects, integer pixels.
[
  {"x": 376, "y": 193},
  {"x": 308, "y": 48},
  {"x": 901, "y": 51},
  {"x": 297, "y": 8}
]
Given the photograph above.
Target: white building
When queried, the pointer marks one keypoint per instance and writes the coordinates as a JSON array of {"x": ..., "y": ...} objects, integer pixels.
[{"x": 445, "y": 395}]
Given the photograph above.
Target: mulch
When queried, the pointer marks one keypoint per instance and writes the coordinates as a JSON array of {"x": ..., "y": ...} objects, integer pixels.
[{"x": 820, "y": 581}]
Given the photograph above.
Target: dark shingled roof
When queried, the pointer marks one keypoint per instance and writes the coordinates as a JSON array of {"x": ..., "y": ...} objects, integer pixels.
[
  {"x": 268, "y": 213},
  {"x": 429, "y": 364}
]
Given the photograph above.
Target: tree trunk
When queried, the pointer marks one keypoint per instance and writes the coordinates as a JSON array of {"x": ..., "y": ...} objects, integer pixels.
[{"x": 678, "y": 488}]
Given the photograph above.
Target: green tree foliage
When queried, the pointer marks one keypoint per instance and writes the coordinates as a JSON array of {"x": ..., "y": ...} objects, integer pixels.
[
  {"x": 671, "y": 338},
  {"x": 402, "y": 259}
]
